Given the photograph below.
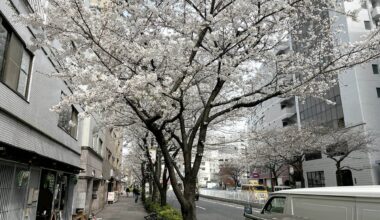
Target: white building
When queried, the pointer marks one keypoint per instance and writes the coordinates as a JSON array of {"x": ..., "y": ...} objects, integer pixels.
[{"x": 358, "y": 102}]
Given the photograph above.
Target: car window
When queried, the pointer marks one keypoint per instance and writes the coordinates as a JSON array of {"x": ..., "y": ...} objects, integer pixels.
[
  {"x": 259, "y": 188},
  {"x": 275, "y": 205}
]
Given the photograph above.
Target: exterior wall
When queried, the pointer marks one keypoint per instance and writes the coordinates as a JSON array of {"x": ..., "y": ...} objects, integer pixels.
[
  {"x": 30, "y": 140},
  {"x": 29, "y": 124},
  {"x": 360, "y": 105}
]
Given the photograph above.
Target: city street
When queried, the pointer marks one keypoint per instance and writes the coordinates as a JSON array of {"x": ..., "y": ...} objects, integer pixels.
[{"x": 208, "y": 209}]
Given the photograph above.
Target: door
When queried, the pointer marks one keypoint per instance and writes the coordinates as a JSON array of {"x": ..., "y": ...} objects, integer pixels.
[
  {"x": 344, "y": 178},
  {"x": 46, "y": 195}
]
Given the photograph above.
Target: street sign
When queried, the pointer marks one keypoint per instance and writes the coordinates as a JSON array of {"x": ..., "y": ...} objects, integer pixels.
[{"x": 255, "y": 175}]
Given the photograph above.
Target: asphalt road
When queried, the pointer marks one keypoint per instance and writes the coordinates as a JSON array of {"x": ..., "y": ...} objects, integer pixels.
[{"x": 208, "y": 209}]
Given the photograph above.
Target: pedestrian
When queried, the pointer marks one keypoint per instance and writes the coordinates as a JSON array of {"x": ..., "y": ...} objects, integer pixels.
[
  {"x": 127, "y": 191},
  {"x": 136, "y": 193}
]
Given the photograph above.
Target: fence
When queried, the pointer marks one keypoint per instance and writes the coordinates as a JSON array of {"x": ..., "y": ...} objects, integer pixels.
[{"x": 236, "y": 195}]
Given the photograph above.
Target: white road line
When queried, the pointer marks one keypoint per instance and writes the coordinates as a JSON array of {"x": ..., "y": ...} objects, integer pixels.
[
  {"x": 201, "y": 207},
  {"x": 225, "y": 204},
  {"x": 230, "y": 205}
]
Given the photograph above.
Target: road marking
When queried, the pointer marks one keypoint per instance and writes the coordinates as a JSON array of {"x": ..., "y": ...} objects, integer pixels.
[
  {"x": 225, "y": 204},
  {"x": 230, "y": 205},
  {"x": 201, "y": 207}
]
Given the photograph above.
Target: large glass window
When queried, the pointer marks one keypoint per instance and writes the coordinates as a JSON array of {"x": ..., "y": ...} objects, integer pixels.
[
  {"x": 316, "y": 179},
  {"x": 68, "y": 119},
  {"x": 313, "y": 155},
  {"x": 3, "y": 41},
  {"x": 375, "y": 69},
  {"x": 15, "y": 60}
]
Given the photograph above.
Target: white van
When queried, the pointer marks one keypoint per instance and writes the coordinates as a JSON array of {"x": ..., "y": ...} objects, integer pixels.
[{"x": 326, "y": 203}]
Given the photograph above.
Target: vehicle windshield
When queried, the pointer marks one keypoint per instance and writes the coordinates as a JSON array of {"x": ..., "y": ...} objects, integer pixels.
[{"x": 259, "y": 188}]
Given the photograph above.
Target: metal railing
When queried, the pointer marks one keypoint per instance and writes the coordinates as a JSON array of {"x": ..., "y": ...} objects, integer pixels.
[{"x": 238, "y": 195}]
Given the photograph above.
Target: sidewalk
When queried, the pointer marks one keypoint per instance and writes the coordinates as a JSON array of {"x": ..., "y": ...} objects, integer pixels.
[{"x": 124, "y": 209}]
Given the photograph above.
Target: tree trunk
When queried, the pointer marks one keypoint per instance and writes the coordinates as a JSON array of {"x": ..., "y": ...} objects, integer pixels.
[
  {"x": 163, "y": 192},
  {"x": 143, "y": 181},
  {"x": 150, "y": 187},
  {"x": 189, "y": 210}
]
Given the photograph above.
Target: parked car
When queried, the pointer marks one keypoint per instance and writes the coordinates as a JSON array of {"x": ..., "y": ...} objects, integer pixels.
[
  {"x": 338, "y": 203},
  {"x": 259, "y": 192}
]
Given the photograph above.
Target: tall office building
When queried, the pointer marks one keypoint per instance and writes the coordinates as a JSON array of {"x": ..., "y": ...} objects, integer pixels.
[{"x": 357, "y": 103}]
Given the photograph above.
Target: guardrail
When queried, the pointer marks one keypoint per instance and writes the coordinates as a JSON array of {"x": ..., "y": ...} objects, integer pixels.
[{"x": 235, "y": 195}]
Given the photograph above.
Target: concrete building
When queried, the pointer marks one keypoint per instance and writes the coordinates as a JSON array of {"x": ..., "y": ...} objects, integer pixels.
[
  {"x": 357, "y": 102},
  {"x": 91, "y": 194},
  {"x": 272, "y": 114},
  {"x": 356, "y": 98},
  {"x": 39, "y": 149},
  {"x": 100, "y": 178}
]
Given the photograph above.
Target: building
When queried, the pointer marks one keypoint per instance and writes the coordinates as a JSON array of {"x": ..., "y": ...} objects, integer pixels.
[
  {"x": 272, "y": 114},
  {"x": 91, "y": 194},
  {"x": 39, "y": 149},
  {"x": 100, "y": 179},
  {"x": 357, "y": 98}
]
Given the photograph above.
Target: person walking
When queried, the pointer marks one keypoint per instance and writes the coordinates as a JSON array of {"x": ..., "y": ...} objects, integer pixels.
[
  {"x": 127, "y": 191},
  {"x": 136, "y": 193}
]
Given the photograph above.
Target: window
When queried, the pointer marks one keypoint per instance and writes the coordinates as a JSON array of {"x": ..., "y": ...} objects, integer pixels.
[
  {"x": 378, "y": 92},
  {"x": 375, "y": 69},
  {"x": 275, "y": 205},
  {"x": 313, "y": 155},
  {"x": 68, "y": 119},
  {"x": 316, "y": 179},
  {"x": 15, "y": 61},
  {"x": 367, "y": 25},
  {"x": 338, "y": 149},
  {"x": 100, "y": 146}
]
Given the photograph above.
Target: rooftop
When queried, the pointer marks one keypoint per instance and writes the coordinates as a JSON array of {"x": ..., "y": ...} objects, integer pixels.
[{"x": 349, "y": 191}]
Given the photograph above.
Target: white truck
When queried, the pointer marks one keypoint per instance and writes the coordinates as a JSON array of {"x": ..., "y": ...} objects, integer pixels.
[{"x": 326, "y": 203}]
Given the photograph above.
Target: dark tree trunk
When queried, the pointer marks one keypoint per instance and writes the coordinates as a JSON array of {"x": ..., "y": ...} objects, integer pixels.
[
  {"x": 164, "y": 190},
  {"x": 189, "y": 210},
  {"x": 143, "y": 181}
]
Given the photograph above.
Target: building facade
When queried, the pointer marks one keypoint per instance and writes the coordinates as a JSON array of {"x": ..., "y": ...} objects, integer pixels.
[
  {"x": 39, "y": 150},
  {"x": 356, "y": 104},
  {"x": 357, "y": 98},
  {"x": 99, "y": 181}
]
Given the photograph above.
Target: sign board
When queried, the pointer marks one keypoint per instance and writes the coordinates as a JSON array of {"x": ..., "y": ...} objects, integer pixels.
[
  {"x": 255, "y": 175},
  {"x": 111, "y": 197}
]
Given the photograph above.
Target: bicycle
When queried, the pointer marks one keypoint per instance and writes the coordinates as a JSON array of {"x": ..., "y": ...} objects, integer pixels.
[{"x": 152, "y": 216}]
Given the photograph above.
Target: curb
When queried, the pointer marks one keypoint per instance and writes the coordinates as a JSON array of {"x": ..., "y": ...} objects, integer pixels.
[{"x": 239, "y": 202}]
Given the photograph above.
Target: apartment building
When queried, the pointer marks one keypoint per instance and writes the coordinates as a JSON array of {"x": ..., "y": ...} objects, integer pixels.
[
  {"x": 357, "y": 98},
  {"x": 100, "y": 178},
  {"x": 39, "y": 149}
]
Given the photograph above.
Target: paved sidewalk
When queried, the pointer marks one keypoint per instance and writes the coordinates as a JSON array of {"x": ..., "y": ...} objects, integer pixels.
[{"x": 124, "y": 209}]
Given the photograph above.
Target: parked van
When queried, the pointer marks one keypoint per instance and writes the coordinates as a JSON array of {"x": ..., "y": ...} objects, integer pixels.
[
  {"x": 279, "y": 188},
  {"x": 259, "y": 192},
  {"x": 337, "y": 203}
]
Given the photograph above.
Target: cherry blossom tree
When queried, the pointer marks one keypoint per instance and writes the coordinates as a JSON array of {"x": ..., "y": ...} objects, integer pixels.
[
  {"x": 278, "y": 149},
  {"x": 178, "y": 67},
  {"x": 340, "y": 144},
  {"x": 232, "y": 170}
]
